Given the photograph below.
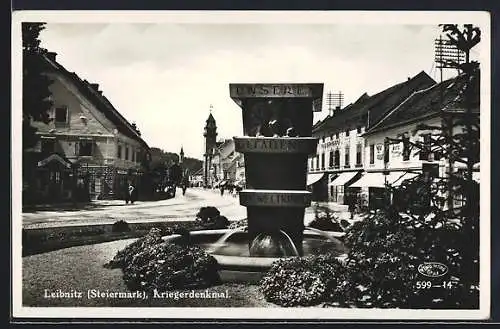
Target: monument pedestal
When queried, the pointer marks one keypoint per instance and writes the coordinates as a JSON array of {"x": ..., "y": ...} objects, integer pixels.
[{"x": 277, "y": 121}]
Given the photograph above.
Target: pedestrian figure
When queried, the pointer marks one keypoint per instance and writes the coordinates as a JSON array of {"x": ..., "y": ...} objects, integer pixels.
[
  {"x": 222, "y": 190},
  {"x": 184, "y": 188},
  {"x": 131, "y": 193},
  {"x": 351, "y": 204}
]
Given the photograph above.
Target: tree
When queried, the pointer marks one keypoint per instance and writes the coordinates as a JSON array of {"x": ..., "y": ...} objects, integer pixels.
[{"x": 36, "y": 93}]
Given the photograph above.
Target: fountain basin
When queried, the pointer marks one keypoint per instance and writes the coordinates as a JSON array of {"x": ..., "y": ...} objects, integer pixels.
[{"x": 236, "y": 265}]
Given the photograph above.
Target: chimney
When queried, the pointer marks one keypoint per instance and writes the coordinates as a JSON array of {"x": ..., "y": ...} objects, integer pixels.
[
  {"x": 51, "y": 55},
  {"x": 95, "y": 86}
]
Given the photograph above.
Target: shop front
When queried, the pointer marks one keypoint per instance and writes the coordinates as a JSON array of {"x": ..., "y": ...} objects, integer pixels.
[
  {"x": 372, "y": 188},
  {"x": 339, "y": 190}
]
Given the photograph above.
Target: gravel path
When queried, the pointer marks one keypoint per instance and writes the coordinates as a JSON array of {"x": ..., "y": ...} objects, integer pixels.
[{"x": 81, "y": 269}]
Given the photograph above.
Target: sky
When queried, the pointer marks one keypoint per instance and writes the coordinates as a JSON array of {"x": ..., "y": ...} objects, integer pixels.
[{"x": 166, "y": 76}]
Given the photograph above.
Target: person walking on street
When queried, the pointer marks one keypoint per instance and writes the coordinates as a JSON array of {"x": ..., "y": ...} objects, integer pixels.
[
  {"x": 222, "y": 190},
  {"x": 184, "y": 188},
  {"x": 351, "y": 204},
  {"x": 126, "y": 193},
  {"x": 131, "y": 193}
]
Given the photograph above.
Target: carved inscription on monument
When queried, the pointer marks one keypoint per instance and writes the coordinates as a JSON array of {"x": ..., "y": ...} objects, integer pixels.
[
  {"x": 270, "y": 90},
  {"x": 275, "y": 145},
  {"x": 275, "y": 198}
]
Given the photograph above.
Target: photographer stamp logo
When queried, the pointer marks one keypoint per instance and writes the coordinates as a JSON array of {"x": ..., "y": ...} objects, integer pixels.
[{"x": 432, "y": 269}]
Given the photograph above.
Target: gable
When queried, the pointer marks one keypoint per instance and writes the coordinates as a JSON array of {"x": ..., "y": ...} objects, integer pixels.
[
  {"x": 54, "y": 158},
  {"x": 82, "y": 116}
]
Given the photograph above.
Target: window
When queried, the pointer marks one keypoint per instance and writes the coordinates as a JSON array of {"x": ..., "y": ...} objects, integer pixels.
[
  {"x": 119, "y": 152},
  {"x": 48, "y": 145},
  {"x": 84, "y": 148},
  {"x": 330, "y": 162},
  {"x": 358, "y": 130},
  {"x": 347, "y": 133},
  {"x": 372, "y": 153},
  {"x": 337, "y": 159},
  {"x": 425, "y": 152},
  {"x": 61, "y": 115},
  {"x": 359, "y": 150},
  {"x": 346, "y": 158},
  {"x": 126, "y": 153},
  {"x": 322, "y": 160}
]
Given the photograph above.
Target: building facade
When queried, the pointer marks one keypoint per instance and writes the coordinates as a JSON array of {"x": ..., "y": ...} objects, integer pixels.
[
  {"x": 341, "y": 158},
  {"x": 105, "y": 151},
  {"x": 394, "y": 162}
]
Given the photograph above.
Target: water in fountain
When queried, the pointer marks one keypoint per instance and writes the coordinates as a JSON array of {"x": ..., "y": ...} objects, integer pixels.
[
  {"x": 278, "y": 244},
  {"x": 273, "y": 244}
]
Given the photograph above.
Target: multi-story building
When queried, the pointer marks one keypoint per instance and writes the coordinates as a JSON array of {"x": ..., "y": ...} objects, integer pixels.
[
  {"x": 87, "y": 143},
  {"x": 400, "y": 160},
  {"x": 222, "y": 160},
  {"x": 340, "y": 157}
]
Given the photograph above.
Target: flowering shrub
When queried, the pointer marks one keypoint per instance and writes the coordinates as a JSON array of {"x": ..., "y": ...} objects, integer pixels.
[
  {"x": 301, "y": 281},
  {"x": 150, "y": 263},
  {"x": 324, "y": 220},
  {"x": 125, "y": 256},
  {"x": 211, "y": 219},
  {"x": 120, "y": 226},
  {"x": 385, "y": 251}
]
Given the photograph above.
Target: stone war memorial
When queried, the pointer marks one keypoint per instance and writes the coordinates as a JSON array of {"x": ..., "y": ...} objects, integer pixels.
[{"x": 277, "y": 127}]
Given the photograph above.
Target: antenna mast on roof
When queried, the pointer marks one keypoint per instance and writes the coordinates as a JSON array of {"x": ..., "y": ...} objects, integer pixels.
[
  {"x": 447, "y": 56},
  {"x": 334, "y": 101}
]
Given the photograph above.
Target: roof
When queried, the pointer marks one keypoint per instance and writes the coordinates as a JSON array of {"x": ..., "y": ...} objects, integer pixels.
[
  {"x": 210, "y": 118},
  {"x": 368, "y": 110},
  {"x": 429, "y": 102},
  {"x": 98, "y": 100}
]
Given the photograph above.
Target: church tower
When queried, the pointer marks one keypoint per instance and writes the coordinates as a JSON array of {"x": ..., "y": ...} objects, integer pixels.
[
  {"x": 210, "y": 135},
  {"x": 181, "y": 156}
]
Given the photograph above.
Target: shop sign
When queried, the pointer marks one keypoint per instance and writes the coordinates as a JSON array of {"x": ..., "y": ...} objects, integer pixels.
[{"x": 329, "y": 144}]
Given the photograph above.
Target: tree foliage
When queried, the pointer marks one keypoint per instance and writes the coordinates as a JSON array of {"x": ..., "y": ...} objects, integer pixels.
[{"x": 36, "y": 93}]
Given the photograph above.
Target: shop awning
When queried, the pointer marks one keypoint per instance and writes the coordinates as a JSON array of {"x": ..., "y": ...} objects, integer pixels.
[
  {"x": 378, "y": 179},
  {"x": 343, "y": 178},
  {"x": 313, "y": 178}
]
